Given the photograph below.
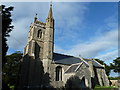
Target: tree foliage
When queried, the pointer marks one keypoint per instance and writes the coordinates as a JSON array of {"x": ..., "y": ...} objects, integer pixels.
[
  {"x": 114, "y": 78},
  {"x": 6, "y": 28},
  {"x": 11, "y": 68},
  {"x": 116, "y": 65},
  {"x": 31, "y": 75}
]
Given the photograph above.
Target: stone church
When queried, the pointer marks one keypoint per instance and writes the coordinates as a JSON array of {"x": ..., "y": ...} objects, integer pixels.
[{"x": 40, "y": 60}]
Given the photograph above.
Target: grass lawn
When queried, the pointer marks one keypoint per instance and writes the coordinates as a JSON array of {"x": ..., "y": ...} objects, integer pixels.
[{"x": 105, "y": 88}]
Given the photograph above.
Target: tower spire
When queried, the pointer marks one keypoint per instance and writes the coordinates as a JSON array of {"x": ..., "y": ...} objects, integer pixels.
[{"x": 50, "y": 11}]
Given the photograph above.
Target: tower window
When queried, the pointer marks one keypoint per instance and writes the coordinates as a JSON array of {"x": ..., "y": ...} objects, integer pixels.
[
  {"x": 39, "y": 34},
  {"x": 37, "y": 50},
  {"x": 58, "y": 73}
]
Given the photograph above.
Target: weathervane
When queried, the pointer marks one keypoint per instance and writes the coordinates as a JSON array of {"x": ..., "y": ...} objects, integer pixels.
[
  {"x": 79, "y": 55},
  {"x": 36, "y": 15},
  {"x": 51, "y": 2}
]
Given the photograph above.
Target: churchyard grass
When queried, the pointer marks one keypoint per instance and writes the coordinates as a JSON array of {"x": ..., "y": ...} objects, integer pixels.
[{"x": 105, "y": 88}]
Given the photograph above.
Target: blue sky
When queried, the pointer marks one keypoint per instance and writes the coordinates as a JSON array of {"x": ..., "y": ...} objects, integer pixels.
[{"x": 88, "y": 29}]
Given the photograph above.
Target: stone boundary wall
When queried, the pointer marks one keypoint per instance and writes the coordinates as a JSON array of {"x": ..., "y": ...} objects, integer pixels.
[{"x": 115, "y": 83}]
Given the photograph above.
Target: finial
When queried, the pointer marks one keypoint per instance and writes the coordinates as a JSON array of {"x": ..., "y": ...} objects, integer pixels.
[
  {"x": 51, "y": 3},
  {"x": 36, "y": 15},
  {"x": 79, "y": 55}
]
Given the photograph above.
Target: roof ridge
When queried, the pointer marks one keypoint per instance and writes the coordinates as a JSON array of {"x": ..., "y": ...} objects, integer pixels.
[
  {"x": 64, "y": 54},
  {"x": 87, "y": 59},
  {"x": 67, "y": 55}
]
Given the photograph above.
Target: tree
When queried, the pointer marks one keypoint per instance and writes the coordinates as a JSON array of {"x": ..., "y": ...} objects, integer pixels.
[
  {"x": 116, "y": 65},
  {"x": 32, "y": 69},
  {"x": 75, "y": 83},
  {"x": 6, "y": 29},
  {"x": 107, "y": 67},
  {"x": 11, "y": 68}
]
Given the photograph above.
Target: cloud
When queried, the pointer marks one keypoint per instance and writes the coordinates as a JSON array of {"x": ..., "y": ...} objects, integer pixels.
[
  {"x": 69, "y": 25},
  {"x": 18, "y": 37},
  {"x": 96, "y": 45},
  {"x": 24, "y": 13},
  {"x": 69, "y": 20},
  {"x": 108, "y": 56},
  {"x": 103, "y": 47}
]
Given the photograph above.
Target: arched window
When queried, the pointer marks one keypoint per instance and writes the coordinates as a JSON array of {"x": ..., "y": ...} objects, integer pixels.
[
  {"x": 39, "y": 34},
  {"x": 58, "y": 73}
]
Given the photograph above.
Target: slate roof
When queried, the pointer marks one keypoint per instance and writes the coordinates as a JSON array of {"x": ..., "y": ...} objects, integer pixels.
[{"x": 66, "y": 59}]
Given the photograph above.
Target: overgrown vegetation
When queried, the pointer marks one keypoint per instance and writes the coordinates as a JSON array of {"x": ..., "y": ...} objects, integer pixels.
[
  {"x": 6, "y": 29},
  {"x": 116, "y": 65},
  {"x": 104, "y": 88},
  {"x": 98, "y": 87},
  {"x": 11, "y": 69},
  {"x": 114, "y": 78}
]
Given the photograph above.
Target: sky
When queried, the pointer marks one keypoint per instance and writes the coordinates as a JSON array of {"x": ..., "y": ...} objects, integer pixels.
[{"x": 86, "y": 29}]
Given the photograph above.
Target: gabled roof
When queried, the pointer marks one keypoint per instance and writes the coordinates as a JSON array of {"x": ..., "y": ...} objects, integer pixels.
[{"x": 66, "y": 59}]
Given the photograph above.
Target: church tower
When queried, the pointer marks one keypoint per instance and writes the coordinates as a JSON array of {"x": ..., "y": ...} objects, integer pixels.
[
  {"x": 48, "y": 40},
  {"x": 41, "y": 40}
]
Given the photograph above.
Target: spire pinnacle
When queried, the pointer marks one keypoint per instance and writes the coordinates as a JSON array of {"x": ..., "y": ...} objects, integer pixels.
[
  {"x": 50, "y": 11},
  {"x": 35, "y": 18}
]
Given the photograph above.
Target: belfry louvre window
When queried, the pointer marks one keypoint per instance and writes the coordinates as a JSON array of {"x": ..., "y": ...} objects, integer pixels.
[
  {"x": 39, "y": 34},
  {"x": 58, "y": 73}
]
